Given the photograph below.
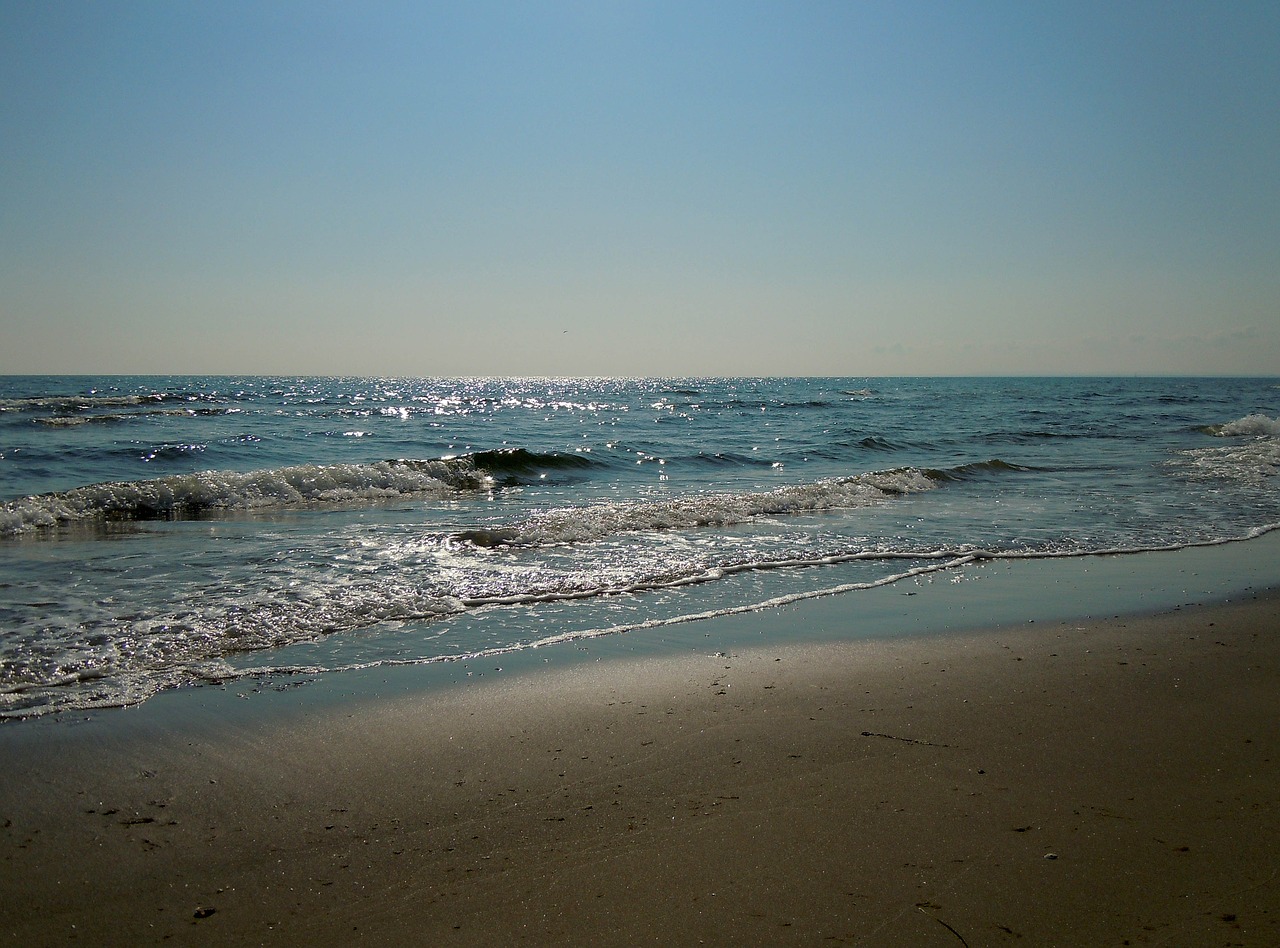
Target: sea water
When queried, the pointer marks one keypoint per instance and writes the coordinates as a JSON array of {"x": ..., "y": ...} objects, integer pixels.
[{"x": 167, "y": 532}]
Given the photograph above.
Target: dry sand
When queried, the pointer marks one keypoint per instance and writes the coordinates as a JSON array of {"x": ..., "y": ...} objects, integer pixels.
[{"x": 1103, "y": 784}]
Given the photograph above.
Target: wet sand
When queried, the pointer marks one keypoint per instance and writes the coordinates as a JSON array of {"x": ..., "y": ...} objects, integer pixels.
[{"x": 1102, "y": 783}]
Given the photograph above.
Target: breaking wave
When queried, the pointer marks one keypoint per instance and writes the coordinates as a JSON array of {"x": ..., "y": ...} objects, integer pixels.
[
  {"x": 191, "y": 496},
  {"x": 1254, "y": 462},
  {"x": 596, "y": 521},
  {"x": 1255, "y": 424},
  {"x": 188, "y": 496}
]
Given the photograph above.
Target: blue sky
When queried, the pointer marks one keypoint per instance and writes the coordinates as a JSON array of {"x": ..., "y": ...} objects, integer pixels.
[{"x": 631, "y": 188}]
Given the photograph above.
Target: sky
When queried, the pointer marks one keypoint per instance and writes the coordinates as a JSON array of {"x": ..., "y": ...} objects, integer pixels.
[{"x": 627, "y": 188}]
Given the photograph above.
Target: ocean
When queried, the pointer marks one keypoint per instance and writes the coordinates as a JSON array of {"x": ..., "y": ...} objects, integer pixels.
[{"x": 168, "y": 532}]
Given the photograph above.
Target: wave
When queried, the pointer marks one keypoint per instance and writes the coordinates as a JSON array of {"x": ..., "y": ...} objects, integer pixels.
[
  {"x": 1250, "y": 425},
  {"x": 74, "y": 404},
  {"x": 582, "y": 524},
  {"x": 188, "y": 496},
  {"x": 1254, "y": 462},
  {"x": 520, "y": 463},
  {"x": 742, "y": 404},
  {"x": 726, "y": 459},
  {"x": 1036, "y": 436},
  {"x": 74, "y": 421},
  {"x": 964, "y": 472},
  {"x": 191, "y": 496}
]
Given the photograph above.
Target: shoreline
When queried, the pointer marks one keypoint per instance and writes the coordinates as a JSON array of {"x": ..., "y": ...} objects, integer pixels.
[
  {"x": 984, "y": 594},
  {"x": 890, "y": 790}
]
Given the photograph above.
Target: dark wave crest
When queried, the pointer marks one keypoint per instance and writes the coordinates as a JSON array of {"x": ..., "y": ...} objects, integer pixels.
[
  {"x": 964, "y": 472},
  {"x": 519, "y": 463}
]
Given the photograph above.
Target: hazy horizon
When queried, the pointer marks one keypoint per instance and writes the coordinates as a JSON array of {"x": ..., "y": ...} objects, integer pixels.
[
  {"x": 631, "y": 378},
  {"x": 635, "y": 189}
]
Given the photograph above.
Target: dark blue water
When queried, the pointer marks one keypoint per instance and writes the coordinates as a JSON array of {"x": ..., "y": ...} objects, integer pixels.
[{"x": 157, "y": 532}]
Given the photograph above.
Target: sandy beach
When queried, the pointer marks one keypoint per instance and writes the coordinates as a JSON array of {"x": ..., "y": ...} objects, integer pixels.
[
  {"x": 1103, "y": 783},
  {"x": 611, "y": 474}
]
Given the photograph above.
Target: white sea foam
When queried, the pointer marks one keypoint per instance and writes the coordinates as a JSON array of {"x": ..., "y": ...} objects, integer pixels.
[
  {"x": 1255, "y": 424},
  {"x": 103, "y": 684},
  {"x": 110, "y": 659},
  {"x": 103, "y": 687},
  {"x": 1255, "y": 462},
  {"x": 597, "y": 521}
]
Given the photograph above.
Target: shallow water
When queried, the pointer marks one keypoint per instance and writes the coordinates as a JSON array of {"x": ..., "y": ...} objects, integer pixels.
[{"x": 162, "y": 532}]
